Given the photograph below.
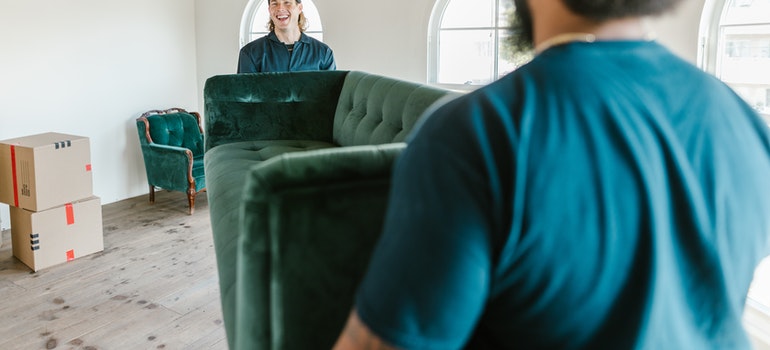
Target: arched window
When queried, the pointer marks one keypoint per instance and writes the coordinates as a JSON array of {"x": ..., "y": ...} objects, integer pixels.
[
  {"x": 735, "y": 46},
  {"x": 256, "y": 17},
  {"x": 467, "y": 43}
]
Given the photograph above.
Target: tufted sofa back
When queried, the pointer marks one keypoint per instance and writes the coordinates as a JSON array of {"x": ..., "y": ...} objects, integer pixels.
[
  {"x": 271, "y": 106},
  {"x": 176, "y": 129},
  {"x": 374, "y": 110},
  {"x": 347, "y": 108}
]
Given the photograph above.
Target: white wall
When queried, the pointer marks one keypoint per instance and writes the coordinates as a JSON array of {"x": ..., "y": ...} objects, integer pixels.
[
  {"x": 384, "y": 37},
  {"x": 679, "y": 30},
  {"x": 217, "y": 29},
  {"x": 89, "y": 68}
]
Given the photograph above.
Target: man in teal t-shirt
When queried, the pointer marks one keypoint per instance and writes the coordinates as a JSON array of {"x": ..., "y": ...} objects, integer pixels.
[{"x": 607, "y": 195}]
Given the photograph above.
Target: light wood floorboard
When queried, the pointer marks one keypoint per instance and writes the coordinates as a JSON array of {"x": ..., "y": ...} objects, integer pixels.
[{"x": 153, "y": 287}]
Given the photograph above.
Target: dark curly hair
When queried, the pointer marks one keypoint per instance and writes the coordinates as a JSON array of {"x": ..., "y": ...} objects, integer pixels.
[
  {"x": 521, "y": 35},
  {"x": 602, "y": 10}
]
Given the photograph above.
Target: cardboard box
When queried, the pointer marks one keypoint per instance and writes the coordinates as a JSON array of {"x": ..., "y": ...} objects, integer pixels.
[
  {"x": 57, "y": 235},
  {"x": 43, "y": 171}
]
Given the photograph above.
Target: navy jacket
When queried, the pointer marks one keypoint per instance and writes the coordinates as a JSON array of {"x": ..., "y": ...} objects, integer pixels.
[{"x": 268, "y": 54}]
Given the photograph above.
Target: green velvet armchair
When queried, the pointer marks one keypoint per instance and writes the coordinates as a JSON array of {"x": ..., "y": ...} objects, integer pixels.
[{"x": 172, "y": 147}]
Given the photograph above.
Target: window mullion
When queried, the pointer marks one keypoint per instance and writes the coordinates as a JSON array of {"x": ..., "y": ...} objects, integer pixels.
[{"x": 496, "y": 41}]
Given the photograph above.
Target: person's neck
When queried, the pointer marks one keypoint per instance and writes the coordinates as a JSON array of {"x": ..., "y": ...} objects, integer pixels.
[
  {"x": 608, "y": 31},
  {"x": 553, "y": 20},
  {"x": 288, "y": 36}
]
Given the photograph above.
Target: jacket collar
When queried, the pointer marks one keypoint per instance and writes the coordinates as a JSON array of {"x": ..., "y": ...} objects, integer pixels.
[{"x": 302, "y": 38}]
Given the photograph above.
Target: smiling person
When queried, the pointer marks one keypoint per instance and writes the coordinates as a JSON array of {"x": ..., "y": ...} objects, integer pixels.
[
  {"x": 286, "y": 48},
  {"x": 606, "y": 195}
]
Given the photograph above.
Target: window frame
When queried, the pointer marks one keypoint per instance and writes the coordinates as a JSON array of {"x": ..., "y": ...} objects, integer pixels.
[
  {"x": 434, "y": 35},
  {"x": 710, "y": 48}
]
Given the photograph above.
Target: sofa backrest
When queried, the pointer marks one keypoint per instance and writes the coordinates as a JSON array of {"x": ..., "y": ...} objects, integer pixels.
[
  {"x": 271, "y": 106},
  {"x": 373, "y": 109}
]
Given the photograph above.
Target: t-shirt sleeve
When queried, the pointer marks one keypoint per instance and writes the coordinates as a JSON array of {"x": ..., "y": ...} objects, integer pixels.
[{"x": 428, "y": 280}]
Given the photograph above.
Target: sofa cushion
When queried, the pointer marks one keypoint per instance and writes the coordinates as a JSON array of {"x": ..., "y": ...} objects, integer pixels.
[{"x": 374, "y": 110}]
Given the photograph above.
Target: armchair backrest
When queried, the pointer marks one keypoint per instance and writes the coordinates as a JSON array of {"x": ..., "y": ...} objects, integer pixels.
[{"x": 172, "y": 127}]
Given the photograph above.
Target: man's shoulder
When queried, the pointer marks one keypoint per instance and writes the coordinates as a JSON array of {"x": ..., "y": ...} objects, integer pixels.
[
  {"x": 261, "y": 41},
  {"x": 307, "y": 39},
  {"x": 255, "y": 44}
]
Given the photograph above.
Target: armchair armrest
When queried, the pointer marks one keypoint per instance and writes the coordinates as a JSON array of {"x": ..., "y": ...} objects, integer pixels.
[
  {"x": 164, "y": 163},
  {"x": 309, "y": 222}
]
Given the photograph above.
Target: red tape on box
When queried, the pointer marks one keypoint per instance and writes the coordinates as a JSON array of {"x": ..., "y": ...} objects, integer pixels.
[
  {"x": 15, "y": 180},
  {"x": 70, "y": 255},
  {"x": 70, "y": 214}
]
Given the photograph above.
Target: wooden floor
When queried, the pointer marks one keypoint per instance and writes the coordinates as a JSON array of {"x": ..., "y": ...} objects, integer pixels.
[{"x": 153, "y": 287}]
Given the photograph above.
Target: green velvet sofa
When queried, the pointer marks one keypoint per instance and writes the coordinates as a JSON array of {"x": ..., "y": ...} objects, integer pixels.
[{"x": 298, "y": 169}]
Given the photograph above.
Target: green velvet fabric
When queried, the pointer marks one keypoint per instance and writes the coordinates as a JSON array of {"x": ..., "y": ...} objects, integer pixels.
[
  {"x": 374, "y": 109},
  {"x": 312, "y": 209},
  {"x": 165, "y": 154},
  {"x": 226, "y": 169},
  {"x": 309, "y": 223},
  {"x": 271, "y": 106}
]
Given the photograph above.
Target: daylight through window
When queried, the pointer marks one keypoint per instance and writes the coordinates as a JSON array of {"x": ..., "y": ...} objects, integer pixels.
[
  {"x": 743, "y": 56},
  {"x": 468, "y": 42},
  {"x": 735, "y": 37}
]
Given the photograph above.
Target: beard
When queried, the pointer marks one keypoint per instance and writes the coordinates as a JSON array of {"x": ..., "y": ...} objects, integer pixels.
[{"x": 522, "y": 36}]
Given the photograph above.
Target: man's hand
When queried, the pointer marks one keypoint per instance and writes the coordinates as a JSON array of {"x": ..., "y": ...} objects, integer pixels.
[{"x": 357, "y": 336}]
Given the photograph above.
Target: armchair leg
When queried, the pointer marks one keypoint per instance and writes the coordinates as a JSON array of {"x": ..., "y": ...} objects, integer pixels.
[
  {"x": 191, "y": 201},
  {"x": 152, "y": 194}
]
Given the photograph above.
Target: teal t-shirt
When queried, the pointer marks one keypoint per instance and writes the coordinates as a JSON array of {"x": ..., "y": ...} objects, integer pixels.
[{"x": 606, "y": 195}]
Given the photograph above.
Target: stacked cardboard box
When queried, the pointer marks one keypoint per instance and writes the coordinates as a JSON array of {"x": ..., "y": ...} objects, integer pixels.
[{"x": 47, "y": 181}]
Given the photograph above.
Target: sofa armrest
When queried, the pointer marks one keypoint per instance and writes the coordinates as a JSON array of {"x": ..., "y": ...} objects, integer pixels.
[
  {"x": 271, "y": 106},
  {"x": 309, "y": 222},
  {"x": 322, "y": 167}
]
